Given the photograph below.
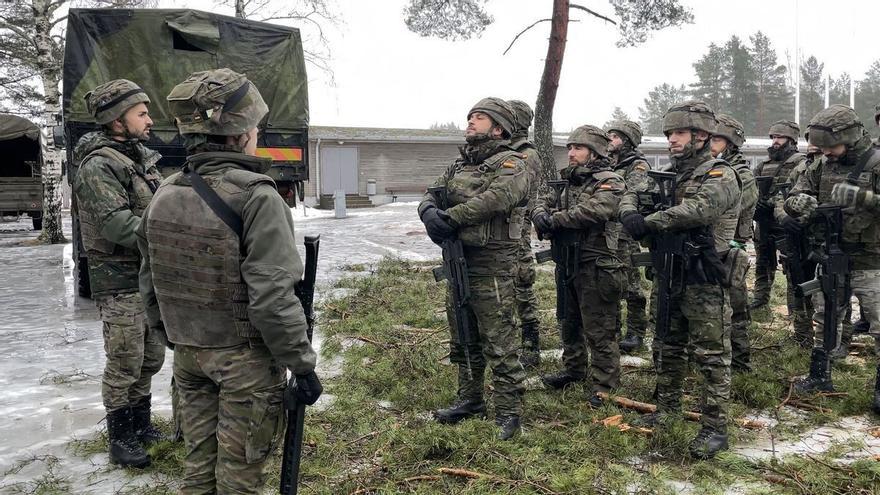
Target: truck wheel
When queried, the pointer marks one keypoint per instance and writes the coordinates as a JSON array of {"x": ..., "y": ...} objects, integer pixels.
[
  {"x": 38, "y": 223},
  {"x": 81, "y": 278}
]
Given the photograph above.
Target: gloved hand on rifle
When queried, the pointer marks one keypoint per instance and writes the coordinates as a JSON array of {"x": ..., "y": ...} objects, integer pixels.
[
  {"x": 850, "y": 195},
  {"x": 543, "y": 222},
  {"x": 764, "y": 209},
  {"x": 437, "y": 224},
  {"x": 800, "y": 205},
  {"x": 634, "y": 224},
  {"x": 792, "y": 225},
  {"x": 305, "y": 388}
]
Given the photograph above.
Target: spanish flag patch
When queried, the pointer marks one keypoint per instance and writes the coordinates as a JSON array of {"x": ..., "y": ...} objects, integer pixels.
[
  {"x": 509, "y": 164},
  {"x": 716, "y": 173},
  {"x": 641, "y": 167},
  {"x": 606, "y": 186}
]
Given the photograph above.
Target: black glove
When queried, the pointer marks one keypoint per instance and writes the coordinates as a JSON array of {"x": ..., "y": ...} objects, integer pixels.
[
  {"x": 764, "y": 209},
  {"x": 634, "y": 224},
  {"x": 437, "y": 224},
  {"x": 306, "y": 388},
  {"x": 543, "y": 222},
  {"x": 792, "y": 225}
]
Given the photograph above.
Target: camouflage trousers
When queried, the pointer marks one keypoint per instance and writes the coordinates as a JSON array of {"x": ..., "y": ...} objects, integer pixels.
[
  {"x": 231, "y": 415},
  {"x": 133, "y": 353},
  {"x": 495, "y": 343},
  {"x": 765, "y": 269},
  {"x": 700, "y": 329},
  {"x": 800, "y": 311},
  {"x": 526, "y": 302},
  {"x": 740, "y": 315},
  {"x": 634, "y": 295},
  {"x": 865, "y": 286},
  {"x": 589, "y": 331}
]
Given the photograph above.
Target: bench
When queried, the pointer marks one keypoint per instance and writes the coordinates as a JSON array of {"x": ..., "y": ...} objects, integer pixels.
[{"x": 395, "y": 190}]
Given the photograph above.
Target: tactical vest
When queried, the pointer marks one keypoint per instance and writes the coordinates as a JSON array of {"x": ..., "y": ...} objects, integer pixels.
[
  {"x": 195, "y": 260},
  {"x": 626, "y": 166},
  {"x": 861, "y": 228},
  {"x": 725, "y": 227},
  {"x": 745, "y": 225},
  {"x": 471, "y": 180},
  {"x": 780, "y": 171},
  {"x": 599, "y": 239}
]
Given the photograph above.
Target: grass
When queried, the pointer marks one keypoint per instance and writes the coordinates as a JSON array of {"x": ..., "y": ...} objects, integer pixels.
[{"x": 377, "y": 435}]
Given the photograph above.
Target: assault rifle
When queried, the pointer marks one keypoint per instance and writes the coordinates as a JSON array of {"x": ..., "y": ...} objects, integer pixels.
[
  {"x": 766, "y": 223},
  {"x": 454, "y": 270},
  {"x": 833, "y": 276},
  {"x": 564, "y": 249},
  {"x": 296, "y": 412}
]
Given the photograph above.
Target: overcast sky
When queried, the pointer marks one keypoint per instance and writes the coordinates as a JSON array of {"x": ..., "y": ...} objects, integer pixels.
[{"x": 387, "y": 76}]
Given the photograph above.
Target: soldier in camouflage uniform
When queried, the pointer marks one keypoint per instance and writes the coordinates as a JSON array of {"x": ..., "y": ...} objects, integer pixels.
[
  {"x": 115, "y": 181},
  {"x": 526, "y": 303},
  {"x": 849, "y": 155},
  {"x": 707, "y": 196},
  {"x": 227, "y": 304},
  {"x": 783, "y": 157},
  {"x": 592, "y": 299},
  {"x": 725, "y": 144},
  {"x": 629, "y": 163},
  {"x": 487, "y": 190}
]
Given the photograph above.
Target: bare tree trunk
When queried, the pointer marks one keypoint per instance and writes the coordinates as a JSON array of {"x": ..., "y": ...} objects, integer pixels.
[
  {"x": 547, "y": 92},
  {"x": 239, "y": 9},
  {"x": 50, "y": 75}
]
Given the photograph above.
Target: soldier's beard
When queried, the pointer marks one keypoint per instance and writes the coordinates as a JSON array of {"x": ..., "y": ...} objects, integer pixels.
[
  {"x": 781, "y": 153},
  {"x": 478, "y": 138}
]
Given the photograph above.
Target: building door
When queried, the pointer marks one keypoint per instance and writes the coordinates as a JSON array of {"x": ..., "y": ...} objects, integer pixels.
[{"x": 339, "y": 169}]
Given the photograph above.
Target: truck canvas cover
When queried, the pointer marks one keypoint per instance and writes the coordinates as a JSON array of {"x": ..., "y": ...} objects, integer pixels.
[
  {"x": 14, "y": 127},
  {"x": 158, "y": 48}
]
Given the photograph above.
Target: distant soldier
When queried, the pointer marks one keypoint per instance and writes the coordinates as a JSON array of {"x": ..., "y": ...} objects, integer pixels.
[
  {"x": 725, "y": 144},
  {"x": 224, "y": 296},
  {"x": 526, "y": 303},
  {"x": 783, "y": 157},
  {"x": 485, "y": 187},
  {"x": 592, "y": 299},
  {"x": 707, "y": 199},
  {"x": 116, "y": 179},
  {"x": 629, "y": 163},
  {"x": 849, "y": 157}
]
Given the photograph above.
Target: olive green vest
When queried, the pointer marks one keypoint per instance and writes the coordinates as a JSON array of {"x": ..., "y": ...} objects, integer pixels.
[
  {"x": 601, "y": 239},
  {"x": 725, "y": 227},
  {"x": 195, "y": 260},
  {"x": 780, "y": 171}
]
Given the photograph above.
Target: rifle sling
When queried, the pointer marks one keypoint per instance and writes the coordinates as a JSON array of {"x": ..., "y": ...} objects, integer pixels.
[
  {"x": 853, "y": 177},
  {"x": 217, "y": 205}
]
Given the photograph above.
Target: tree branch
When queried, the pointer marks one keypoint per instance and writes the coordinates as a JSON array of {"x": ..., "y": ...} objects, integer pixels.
[
  {"x": 56, "y": 21},
  {"x": 523, "y": 32},
  {"x": 600, "y": 16},
  {"x": 4, "y": 24}
]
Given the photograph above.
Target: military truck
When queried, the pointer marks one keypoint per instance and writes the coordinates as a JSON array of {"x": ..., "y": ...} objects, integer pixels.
[
  {"x": 157, "y": 49},
  {"x": 21, "y": 184}
]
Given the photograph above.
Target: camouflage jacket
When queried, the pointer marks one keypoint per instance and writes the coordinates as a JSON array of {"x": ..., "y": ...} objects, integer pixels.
[
  {"x": 245, "y": 287},
  {"x": 744, "y": 229},
  {"x": 590, "y": 206},
  {"x": 633, "y": 167},
  {"x": 113, "y": 185},
  {"x": 487, "y": 189}
]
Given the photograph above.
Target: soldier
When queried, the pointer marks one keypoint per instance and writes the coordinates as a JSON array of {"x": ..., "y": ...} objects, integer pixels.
[
  {"x": 526, "y": 303},
  {"x": 485, "y": 187},
  {"x": 116, "y": 180},
  {"x": 629, "y": 163},
  {"x": 725, "y": 144},
  {"x": 783, "y": 157},
  {"x": 592, "y": 300},
  {"x": 849, "y": 156},
  {"x": 707, "y": 197},
  {"x": 226, "y": 296}
]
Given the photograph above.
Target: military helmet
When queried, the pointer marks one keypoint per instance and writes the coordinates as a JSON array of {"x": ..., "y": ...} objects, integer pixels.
[
  {"x": 694, "y": 115},
  {"x": 499, "y": 110},
  {"x": 111, "y": 100},
  {"x": 592, "y": 137},
  {"x": 837, "y": 124},
  {"x": 785, "y": 128},
  {"x": 523, "y": 112},
  {"x": 632, "y": 130},
  {"x": 219, "y": 102},
  {"x": 730, "y": 129}
]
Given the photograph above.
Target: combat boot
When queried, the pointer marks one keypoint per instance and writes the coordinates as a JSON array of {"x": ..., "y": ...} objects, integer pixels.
[
  {"x": 560, "y": 380},
  {"x": 461, "y": 410},
  {"x": 125, "y": 450},
  {"x": 819, "y": 379},
  {"x": 861, "y": 326},
  {"x": 842, "y": 350},
  {"x": 708, "y": 442},
  {"x": 876, "y": 405},
  {"x": 530, "y": 356},
  {"x": 144, "y": 430},
  {"x": 759, "y": 302},
  {"x": 630, "y": 344},
  {"x": 510, "y": 427}
]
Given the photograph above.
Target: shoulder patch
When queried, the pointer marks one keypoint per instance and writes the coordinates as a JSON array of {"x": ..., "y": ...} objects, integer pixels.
[
  {"x": 509, "y": 164},
  {"x": 641, "y": 167},
  {"x": 717, "y": 172}
]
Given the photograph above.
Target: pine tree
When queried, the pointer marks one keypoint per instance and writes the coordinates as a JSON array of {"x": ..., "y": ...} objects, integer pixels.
[
  {"x": 868, "y": 95},
  {"x": 710, "y": 78},
  {"x": 773, "y": 99},
  {"x": 616, "y": 115},
  {"x": 812, "y": 89},
  {"x": 657, "y": 103},
  {"x": 839, "y": 91},
  {"x": 739, "y": 83}
]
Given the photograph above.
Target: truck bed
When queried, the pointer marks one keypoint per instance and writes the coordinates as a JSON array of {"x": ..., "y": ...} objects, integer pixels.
[{"x": 20, "y": 194}]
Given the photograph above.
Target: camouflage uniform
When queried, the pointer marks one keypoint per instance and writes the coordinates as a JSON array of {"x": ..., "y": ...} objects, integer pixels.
[
  {"x": 227, "y": 304},
  {"x": 526, "y": 302},
  {"x": 487, "y": 190},
  {"x": 826, "y": 181},
  {"x": 592, "y": 299},
  {"x": 630, "y": 164},
  {"x": 707, "y": 194},
  {"x": 113, "y": 185},
  {"x": 730, "y": 129}
]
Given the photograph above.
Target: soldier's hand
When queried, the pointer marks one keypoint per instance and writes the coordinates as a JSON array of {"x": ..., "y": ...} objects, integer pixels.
[
  {"x": 634, "y": 224},
  {"x": 543, "y": 222},
  {"x": 800, "y": 205},
  {"x": 764, "y": 209},
  {"x": 437, "y": 225},
  {"x": 792, "y": 225},
  {"x": 307, "y": 388},
  {"x": 849, "y": 195}
]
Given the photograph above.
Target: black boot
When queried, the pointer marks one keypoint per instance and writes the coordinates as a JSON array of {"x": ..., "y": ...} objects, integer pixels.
[
  {"x": 560, "y": 380},
  {"x": 876, "y": 406},
  {"x": 863, "y": 325},
  {"x": 630, "y": 344},
  {"x": 460, "y": 410},
  {"x": 510, "y": 427},
  {"x": 144, "y": 430},
  {"x": 819, "y": 379},
  {"x": 842, "y": 350},
  {"x": 125, "y": 449},
  {"x": 530, "y": 356},
  {"x": 708, "y": 442}
]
